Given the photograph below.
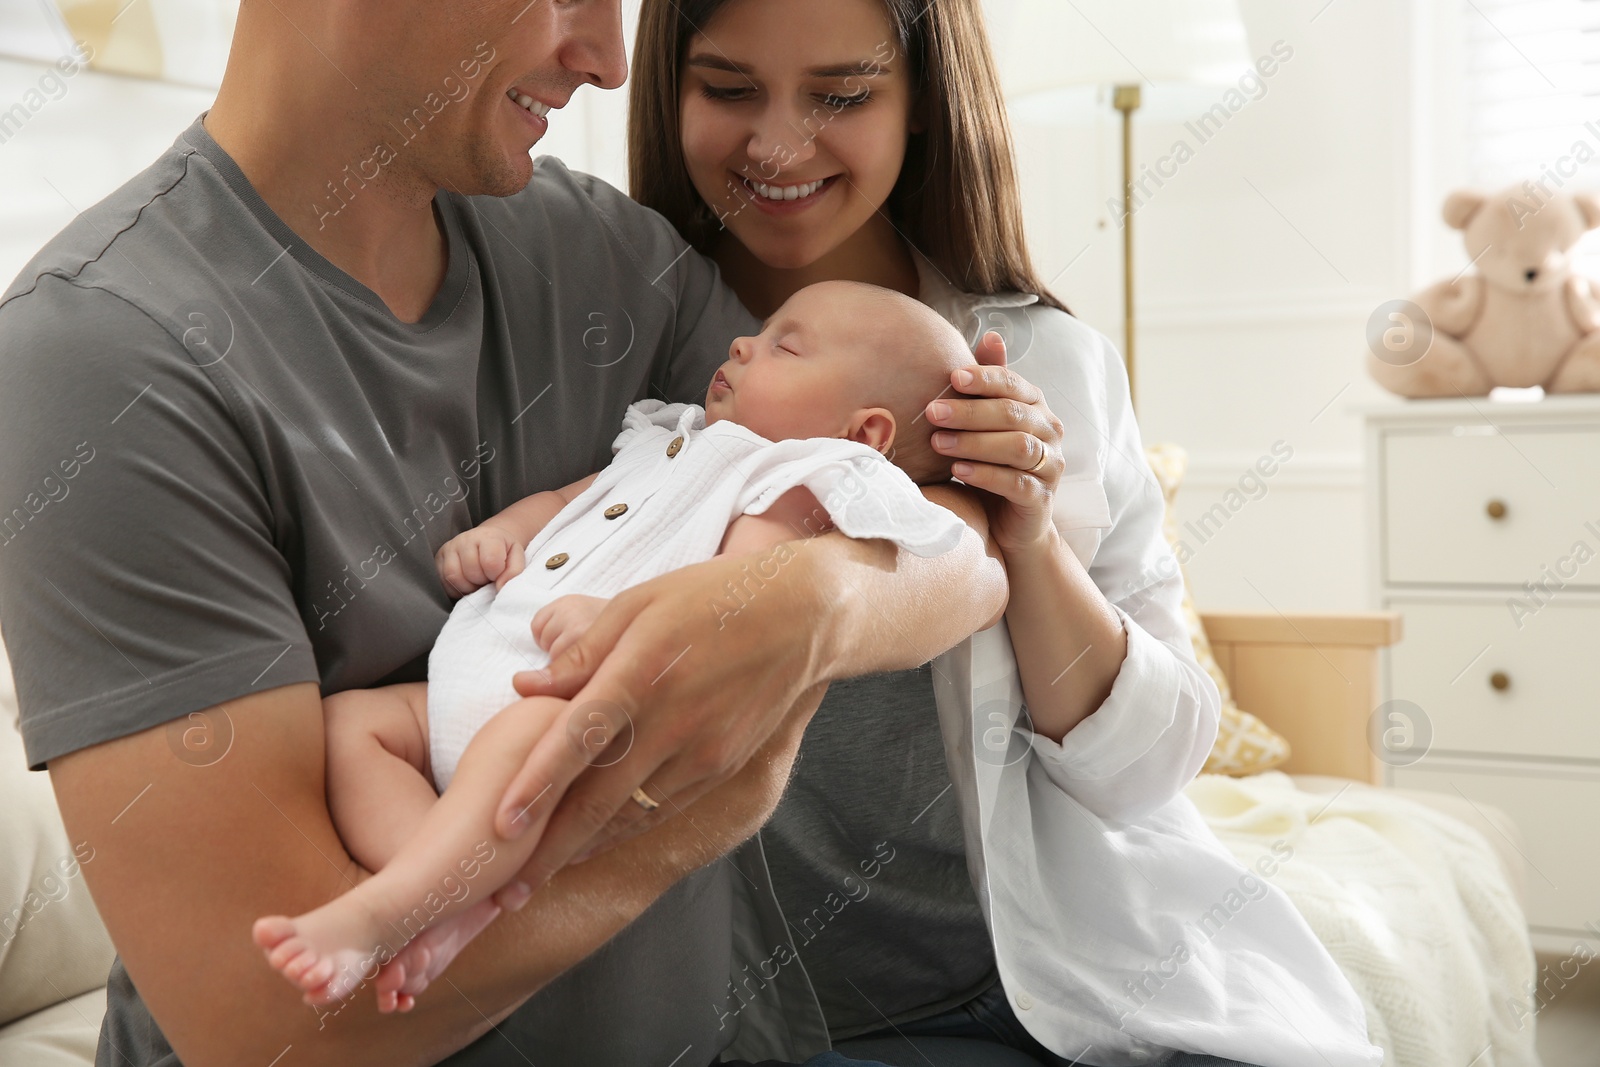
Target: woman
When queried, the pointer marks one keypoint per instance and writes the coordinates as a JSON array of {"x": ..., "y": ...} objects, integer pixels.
[{"x": 1006, "y": 895}]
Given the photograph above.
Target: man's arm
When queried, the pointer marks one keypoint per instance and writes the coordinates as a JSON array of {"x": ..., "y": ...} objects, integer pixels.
[
  {"x": 704, "y": 660},
  {"x": 187, "y": 857}
]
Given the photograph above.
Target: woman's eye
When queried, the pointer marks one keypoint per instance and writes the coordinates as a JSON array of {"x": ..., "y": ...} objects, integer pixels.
[
  {"x": 840, "y": 101},
  {"x": 717, "y": 92}
]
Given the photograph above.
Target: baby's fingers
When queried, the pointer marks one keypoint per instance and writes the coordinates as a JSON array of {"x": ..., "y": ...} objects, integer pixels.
[
  {"x": 516, "y": 559},
  {"x": 450, "y": 571},
  {"x": 565, "y": 639},
  {"x": 471, "y": 569}
]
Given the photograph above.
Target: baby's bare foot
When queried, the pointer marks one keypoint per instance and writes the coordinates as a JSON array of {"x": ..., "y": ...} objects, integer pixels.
[
  {"x": 325, "y": 958},
  {"x": 428, "y": 954}
]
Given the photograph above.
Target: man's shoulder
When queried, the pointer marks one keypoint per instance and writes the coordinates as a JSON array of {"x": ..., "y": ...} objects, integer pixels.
[{"x": 124, "y": 240}]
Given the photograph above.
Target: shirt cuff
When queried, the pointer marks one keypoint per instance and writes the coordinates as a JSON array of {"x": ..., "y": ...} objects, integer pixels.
[{"x": 1140, "y": 709}]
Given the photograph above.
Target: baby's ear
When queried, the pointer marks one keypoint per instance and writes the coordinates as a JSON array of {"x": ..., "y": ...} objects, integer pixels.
[{"x": 873, "y": 427}]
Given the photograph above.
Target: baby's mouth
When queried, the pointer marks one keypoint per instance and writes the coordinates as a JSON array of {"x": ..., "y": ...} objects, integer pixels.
[{"x": 720, "y": 379}]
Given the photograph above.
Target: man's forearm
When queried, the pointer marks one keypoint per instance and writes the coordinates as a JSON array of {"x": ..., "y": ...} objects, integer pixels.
[
  {"x": 893, "y": 610},
  {"x": 180, "y": 876},
  {"x": 575, "y": 913}
]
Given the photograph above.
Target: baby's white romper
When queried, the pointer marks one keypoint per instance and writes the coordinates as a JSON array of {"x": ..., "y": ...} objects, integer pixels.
[{"x": 664, "y": 501}]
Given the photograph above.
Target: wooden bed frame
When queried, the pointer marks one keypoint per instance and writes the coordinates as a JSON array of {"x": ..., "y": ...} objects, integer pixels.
[{"x": 1312, "y": 678}]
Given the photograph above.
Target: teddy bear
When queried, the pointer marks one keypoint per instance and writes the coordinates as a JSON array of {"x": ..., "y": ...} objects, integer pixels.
[{"x": 1525, "y": 317}]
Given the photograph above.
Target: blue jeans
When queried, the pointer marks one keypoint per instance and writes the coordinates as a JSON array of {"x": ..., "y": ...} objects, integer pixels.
[{"x": 984, "y": 1032}]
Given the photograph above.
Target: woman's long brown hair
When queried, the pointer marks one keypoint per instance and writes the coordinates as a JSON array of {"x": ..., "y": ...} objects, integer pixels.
[{"x": 958, "y": 199}]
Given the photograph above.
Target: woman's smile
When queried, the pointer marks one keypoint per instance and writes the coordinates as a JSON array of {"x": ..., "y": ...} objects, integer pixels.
[{"x": 786, "y": 198}]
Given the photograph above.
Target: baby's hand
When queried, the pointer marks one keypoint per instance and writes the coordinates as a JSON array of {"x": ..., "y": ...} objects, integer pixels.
[
  {"x": 482, "y": 555},
  {"x": 564, "y": 620}
]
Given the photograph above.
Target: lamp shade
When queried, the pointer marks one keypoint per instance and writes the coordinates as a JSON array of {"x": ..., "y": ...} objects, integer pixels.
[{"x": 1053, "y": 44}]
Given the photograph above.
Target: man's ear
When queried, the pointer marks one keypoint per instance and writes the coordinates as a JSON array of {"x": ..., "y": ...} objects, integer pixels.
[{"x": 873, "y": 427}]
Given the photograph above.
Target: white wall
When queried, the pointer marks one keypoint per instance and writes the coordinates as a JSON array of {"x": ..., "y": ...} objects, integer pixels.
[
  {"x": 1258, "y": 264},
  {"x": 1258, "y": 267}
]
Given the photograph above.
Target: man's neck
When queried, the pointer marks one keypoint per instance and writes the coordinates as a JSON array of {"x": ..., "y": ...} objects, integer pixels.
[
  {"x": 304, "y": 163},
  {"x": 875, "y": 254}
]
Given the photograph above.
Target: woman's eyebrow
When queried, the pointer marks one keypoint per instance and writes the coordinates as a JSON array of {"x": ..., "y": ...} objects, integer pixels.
[
  {"x": 865, "y": 68},
  {"x": 862, "y": 68},
  {"x": 715, "y": 62}
]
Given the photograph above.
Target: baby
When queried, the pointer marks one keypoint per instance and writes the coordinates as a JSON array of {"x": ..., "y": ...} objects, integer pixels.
[{"x": 791, "y": 441}]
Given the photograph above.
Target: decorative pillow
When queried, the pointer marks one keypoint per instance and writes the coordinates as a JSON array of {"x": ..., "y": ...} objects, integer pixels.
[{"x": 1245, "y": 744}]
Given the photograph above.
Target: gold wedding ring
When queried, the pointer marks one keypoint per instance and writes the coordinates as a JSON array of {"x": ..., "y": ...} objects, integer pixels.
[
  {"x": 641, "y": 798},
  {"x": 1044, "y": 455}
]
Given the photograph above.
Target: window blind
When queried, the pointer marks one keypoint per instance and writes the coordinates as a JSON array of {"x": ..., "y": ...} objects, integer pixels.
[{"x": 1533, "y": 97}]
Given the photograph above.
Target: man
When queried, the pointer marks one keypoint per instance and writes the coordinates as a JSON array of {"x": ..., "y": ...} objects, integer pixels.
[{"x": 245, "y": 399}]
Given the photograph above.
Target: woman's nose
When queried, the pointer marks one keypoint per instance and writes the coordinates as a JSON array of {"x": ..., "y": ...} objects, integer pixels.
[{"x": 782, "y": 139}]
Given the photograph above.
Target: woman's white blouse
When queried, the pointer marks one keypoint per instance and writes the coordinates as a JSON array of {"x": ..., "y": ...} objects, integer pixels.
[{"x": 1122, "y": 928}]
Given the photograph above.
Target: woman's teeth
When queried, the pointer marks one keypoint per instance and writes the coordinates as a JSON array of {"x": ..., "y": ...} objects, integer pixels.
[
  {"x": 528, "y": 103},
  {"x": 784, "y": 192}
]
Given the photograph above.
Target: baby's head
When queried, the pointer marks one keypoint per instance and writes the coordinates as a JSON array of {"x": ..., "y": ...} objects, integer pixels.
[{"x": 848, "y": 360}]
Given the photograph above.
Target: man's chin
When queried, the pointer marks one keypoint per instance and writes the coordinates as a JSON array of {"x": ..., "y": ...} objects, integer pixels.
[{"x": 498, "y": 175}]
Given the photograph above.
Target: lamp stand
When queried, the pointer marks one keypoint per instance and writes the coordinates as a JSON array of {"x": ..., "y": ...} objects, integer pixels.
[{"x": 1126, "y": 99}]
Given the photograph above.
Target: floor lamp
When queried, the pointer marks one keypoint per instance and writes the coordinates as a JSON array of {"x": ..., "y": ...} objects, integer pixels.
[{"x": 1048, "y": 45}]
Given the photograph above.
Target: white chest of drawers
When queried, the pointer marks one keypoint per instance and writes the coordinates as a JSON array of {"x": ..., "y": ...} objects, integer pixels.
[{"x": 1484, "y": 531}]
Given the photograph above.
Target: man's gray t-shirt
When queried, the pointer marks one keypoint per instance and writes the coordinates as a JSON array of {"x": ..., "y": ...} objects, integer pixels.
[
  {"x": 225, "y": 467},
  {"x": 869, "y": 863}
]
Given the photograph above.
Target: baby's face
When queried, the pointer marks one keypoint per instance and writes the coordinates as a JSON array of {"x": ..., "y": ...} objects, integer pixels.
[{"x": 801, "y": 376}]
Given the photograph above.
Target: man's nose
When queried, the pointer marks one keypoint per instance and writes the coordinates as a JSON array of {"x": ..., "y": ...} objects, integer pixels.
[{"x": 594, "y": 47}]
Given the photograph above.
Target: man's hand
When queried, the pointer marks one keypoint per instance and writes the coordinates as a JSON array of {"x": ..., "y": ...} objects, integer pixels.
[
  {"x": 673, "y": 687},
  {"x": 680, "y": 678}
]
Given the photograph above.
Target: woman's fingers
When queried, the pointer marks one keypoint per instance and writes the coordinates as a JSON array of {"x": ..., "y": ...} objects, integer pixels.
[
  {"x": 988, "y": 415},
  {"x": 991, "y": 350},
  {"x": 1017, "y": 487},
  {"x": 1016, "y": 448},
  {"x": 995, "y": 382}
]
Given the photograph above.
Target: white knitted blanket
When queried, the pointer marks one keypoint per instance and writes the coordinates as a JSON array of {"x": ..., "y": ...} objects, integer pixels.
[{"x": 1413, "y": 905}]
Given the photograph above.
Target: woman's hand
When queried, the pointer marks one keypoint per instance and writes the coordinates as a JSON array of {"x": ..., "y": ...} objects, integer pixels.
[
  {"x": 564, "y": 620},
  {"x": 1007, "y": 442}
]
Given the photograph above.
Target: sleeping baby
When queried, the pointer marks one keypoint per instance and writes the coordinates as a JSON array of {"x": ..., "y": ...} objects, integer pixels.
[{"x": 815, "y": 424}]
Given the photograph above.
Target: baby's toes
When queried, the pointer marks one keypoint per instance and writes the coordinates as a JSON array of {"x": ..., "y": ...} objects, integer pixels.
[
  {"x": 417, "y": 977},
  {"x": 310, "y": 972},
  {"x": 288, "y": 951},
  {"x": 271, "y": 931}
]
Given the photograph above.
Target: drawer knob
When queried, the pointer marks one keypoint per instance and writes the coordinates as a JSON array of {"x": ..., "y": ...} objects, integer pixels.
[
  {"x": 1496, "y": 509},
  {"x": 1500, "y": 680}
]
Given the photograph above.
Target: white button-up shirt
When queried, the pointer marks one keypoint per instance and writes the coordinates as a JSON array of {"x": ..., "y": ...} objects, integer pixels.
[{"x": 1122, "y": 928}]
